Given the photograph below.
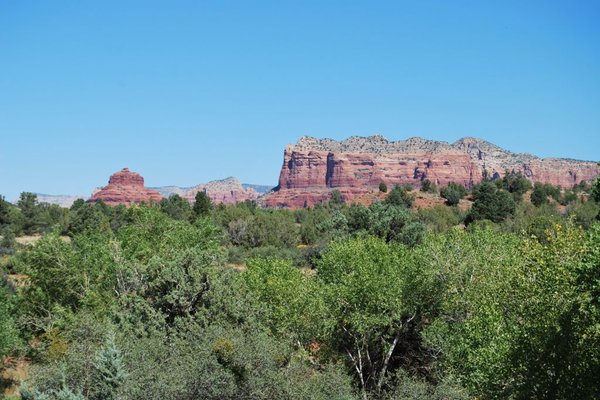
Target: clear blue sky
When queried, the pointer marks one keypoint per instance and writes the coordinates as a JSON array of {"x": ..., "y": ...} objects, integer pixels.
[{"x": 188, "y": 91}]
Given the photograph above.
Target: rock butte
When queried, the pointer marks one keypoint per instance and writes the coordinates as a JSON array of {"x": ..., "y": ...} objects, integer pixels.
[
  {"x": 312, "y": 168},
  {"x": 125, "y": 187}
]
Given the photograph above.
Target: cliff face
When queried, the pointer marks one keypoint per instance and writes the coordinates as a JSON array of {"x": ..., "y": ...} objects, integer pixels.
[
  {"x": 313, "y": 168},
  {"x": 125, "y": 187}
]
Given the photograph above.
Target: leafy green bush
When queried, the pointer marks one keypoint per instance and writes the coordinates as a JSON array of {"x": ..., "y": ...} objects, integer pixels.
[
  {"x": 427, "y": 186},
  {"x": 490, "y": 203},
  {"x": 400, "y": 196},
  {"x": 453, "y": 192},
  {"x": 9, "y": 334},
  {"x": 516, "y": 184},
  {"x": 440, "y": 218}
]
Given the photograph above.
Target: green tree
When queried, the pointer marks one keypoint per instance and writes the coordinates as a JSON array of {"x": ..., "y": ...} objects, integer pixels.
[
  {"x": 176, "y": 207},
  {"x": 582, "y": 186},
  {"x": 595, "y": 194},
  {"x": 453, "y": 192},
  {"x": 428, "y": 186},
  {"x": 77, "y": 204},
  {"x": 383, "y": 187},
  {"x": 150, "y": 233},
  {"x": 64, "y": 393},
  {"x": 336, "y": 198},
  {"x": 440, "y": 218},
  {"x": 66, "y": 277},
  {"x": 552, "y": 191},
  {"x": 4, "y": 212},
  {"x": 28, "y": 204},
  {"x": 584, "y": 214},
  {"x": 88, "y": 217},
  {"x": 516, "y": 184},
  {"x": 110, "y": 372},
  {"x": 271, "y": 228},
  {"x": 394, "y": 223},
  {"x": 550, "y": 357},
  {"x": 400, "y": 196},
  {"x": 293, "y": 300},
  {"x": 490, "y": 203},
  {"x": 202, "y": 204},
  {"x": 359, "y": 218},
  {"x": 9, "y": 334},
  {"x": 539, "y": 195},
  {"x": 373, "y": 290},
  {"x": 473, "y": 332}
]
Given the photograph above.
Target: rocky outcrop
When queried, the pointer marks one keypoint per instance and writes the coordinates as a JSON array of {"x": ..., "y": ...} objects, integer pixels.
[
  {"x": 226, "y": 191},
  {"x": 125, "y": 187},
  {"x": 312, "y": 168}
]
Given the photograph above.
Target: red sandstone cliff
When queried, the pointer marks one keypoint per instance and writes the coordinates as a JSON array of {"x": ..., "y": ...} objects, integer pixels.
[
  {"x": 125, "y": 187},
  {"x": 313, "y": 168}
]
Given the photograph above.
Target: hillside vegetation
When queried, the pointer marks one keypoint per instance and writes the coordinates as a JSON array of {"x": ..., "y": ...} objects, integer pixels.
[{"x": 499, "y": 300}]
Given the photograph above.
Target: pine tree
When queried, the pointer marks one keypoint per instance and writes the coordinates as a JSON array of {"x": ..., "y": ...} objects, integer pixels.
[
  {"x": 4, "y": 212},
  {"x": 203, "y": 205},
  {"x": 66, "y": 394},
  {"x": 596, "y": 190},
  {"x": 110, "y": 373}
]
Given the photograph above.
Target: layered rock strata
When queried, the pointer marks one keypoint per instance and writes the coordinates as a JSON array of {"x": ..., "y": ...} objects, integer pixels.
[
  {"x": 125, "y": 187},
  {"x": 312, "y": 168}
]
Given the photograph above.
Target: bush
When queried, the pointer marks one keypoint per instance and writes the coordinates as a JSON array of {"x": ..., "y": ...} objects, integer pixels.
[
  {"x": 490, "y": 203},
  {"x": 567, "y": 197},
  {"x": 400, "y": 196},
  {"x": 176, "y": 207},
  {"x": 9, "y": 334},
  {"x": 539, "y": 195},
  {"x": 516, "y": 184},
  {"x": 383, "y": 187},
  {"x": 441, "y": 218},
  {"x": 7, "y": 242},
  {"x": 202, "y": 204},
  {"x": 394, "y": 224},
  {"x": 428, "y": 186},
  {"x": 453, "y": 192},
  {"x": 584, "y": 214},
  {"x": 336, "y": 198},
  {"x": 595, "y": 194},
  {"x": 582, "y": 186}
]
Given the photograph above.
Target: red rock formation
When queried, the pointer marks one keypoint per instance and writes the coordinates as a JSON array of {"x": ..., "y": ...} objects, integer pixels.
[
  {"x": 125, "y": 187},
  {"x": 313, "y": 168},
  {"x": 226, "y": 191}
]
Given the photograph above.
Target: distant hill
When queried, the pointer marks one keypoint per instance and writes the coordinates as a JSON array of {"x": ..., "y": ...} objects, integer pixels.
[
  {"x": 259, "y": 188},
  {"x": 59, "y": 199},
  {"x": 228, "y": 191}
]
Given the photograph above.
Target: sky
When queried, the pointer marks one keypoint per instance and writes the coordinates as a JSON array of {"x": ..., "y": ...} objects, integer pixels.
[{"x": 185, "y": 92}]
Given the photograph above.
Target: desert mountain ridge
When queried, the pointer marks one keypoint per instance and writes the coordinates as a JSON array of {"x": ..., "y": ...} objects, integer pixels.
[{"x": 313, "y": 167}]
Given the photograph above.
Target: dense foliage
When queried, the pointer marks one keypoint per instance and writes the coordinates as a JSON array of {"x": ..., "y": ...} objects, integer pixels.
[
  {"x": 181, "y": 301},
  {"x": 453, "y": 192}
]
